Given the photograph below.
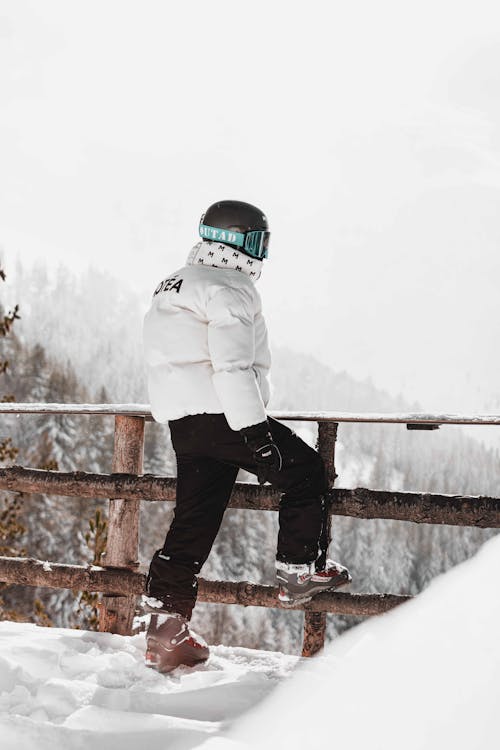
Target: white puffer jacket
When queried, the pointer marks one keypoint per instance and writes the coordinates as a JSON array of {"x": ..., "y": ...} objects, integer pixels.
[{"x": 205, "y": 339}]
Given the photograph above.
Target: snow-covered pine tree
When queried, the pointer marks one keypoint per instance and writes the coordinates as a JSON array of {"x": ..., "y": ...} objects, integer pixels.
[{"x": 12, "y": 528}]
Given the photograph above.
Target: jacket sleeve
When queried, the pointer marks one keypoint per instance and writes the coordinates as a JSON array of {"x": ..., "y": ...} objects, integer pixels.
[
  {"x": 262, "y": 358},
  {"x": 231, "y": 343}
]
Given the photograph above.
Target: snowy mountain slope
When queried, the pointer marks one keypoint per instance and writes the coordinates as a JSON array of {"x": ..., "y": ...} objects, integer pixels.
[
  {"x": 76, "y": 689},
  {"x": 424, "y": 676}
]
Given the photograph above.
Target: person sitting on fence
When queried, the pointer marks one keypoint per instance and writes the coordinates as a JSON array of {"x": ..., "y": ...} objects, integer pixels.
[{"x": 207, "y": 361}]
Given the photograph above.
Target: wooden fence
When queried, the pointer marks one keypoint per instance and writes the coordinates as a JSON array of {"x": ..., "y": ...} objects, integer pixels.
[{"x": 119, "y": 579}]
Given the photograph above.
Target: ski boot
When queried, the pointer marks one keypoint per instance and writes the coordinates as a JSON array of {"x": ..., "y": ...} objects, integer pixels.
[
  {"x": 299, "y": 582},
  {"x": 169, "y": 641}
]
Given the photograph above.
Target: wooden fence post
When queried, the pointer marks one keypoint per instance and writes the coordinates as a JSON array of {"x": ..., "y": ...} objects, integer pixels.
[
  {"x": 315, "y": 622},
  {"x": 122, "y": 549}
]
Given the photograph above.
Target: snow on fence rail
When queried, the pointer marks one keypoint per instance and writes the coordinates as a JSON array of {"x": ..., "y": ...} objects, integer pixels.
[
  {"x": 143, "y": 410},
  {"x": 119, "y": 579}
]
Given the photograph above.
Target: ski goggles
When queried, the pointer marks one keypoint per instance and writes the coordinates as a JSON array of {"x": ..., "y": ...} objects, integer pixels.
[{"x": 254, "y": 243}]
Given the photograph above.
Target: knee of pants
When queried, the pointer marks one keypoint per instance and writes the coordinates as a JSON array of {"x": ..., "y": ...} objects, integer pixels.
[{"x": 313, "y": 482}]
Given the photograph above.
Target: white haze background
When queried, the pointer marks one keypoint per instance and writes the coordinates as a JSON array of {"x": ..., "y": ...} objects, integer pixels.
[{"x": 367, "y": 131}]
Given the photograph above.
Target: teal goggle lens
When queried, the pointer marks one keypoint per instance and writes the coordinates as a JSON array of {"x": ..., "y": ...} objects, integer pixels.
[{"x": 255, "y": 243}]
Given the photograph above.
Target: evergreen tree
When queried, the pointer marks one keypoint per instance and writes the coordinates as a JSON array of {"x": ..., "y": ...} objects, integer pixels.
[{"x": 12, "y": 528}]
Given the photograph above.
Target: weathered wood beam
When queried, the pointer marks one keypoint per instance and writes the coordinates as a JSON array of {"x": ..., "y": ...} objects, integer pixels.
[
  {"x": 419, "y": 507},
  {"x": 251, "y": 594},
  {"x": 144, "y": 410},
  {"x": 87, "y": 484},
  {"x": 125, "y": 410},
  {"x": 123, "y": 582},
  {"x": 315, "y": 622},
  {"x": 122, "y": 548},
  {"x": 147, "y": 487}
]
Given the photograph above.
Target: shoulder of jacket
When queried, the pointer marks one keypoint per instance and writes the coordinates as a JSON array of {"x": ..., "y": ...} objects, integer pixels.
[
  {"x": 234, "y": 295},
  {"x": 215, "y": 283},
  {"x": 235, "y": 284}
]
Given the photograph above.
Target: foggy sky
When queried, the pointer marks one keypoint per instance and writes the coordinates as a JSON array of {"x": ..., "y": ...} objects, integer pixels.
[{"x": 368, "y": 133}]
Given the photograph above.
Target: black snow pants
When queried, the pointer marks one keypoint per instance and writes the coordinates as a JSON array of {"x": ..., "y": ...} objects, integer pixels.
[{"x": 209, "y": 454}]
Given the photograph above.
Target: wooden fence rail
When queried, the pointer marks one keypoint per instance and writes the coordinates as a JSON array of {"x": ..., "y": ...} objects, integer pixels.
[
  {"x": 419, "y": 507},
  {"x": 119, "y": 580},
  {"x": 143, "y": 410}
]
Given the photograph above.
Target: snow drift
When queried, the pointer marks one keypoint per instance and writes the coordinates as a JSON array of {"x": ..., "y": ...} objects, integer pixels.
[
  {"x": 76, "y": 689},
  {"x": 423, "y": 676}
]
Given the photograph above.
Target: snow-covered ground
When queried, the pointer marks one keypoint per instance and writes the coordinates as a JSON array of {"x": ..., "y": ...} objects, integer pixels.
[
  {"x": 72, "y": 690},
  {"x": 425, "y": 676}
]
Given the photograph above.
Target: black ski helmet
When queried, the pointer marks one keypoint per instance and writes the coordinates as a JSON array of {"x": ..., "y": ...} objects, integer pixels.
[{"x": 239, "y": 225}]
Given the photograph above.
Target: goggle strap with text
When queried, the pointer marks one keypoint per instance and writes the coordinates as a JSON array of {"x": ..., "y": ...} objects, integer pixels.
[{"x": 254, "y": 242}]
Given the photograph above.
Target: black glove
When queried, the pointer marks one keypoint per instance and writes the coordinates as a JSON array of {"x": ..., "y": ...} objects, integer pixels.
[{"x": 265, "y": 452}]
